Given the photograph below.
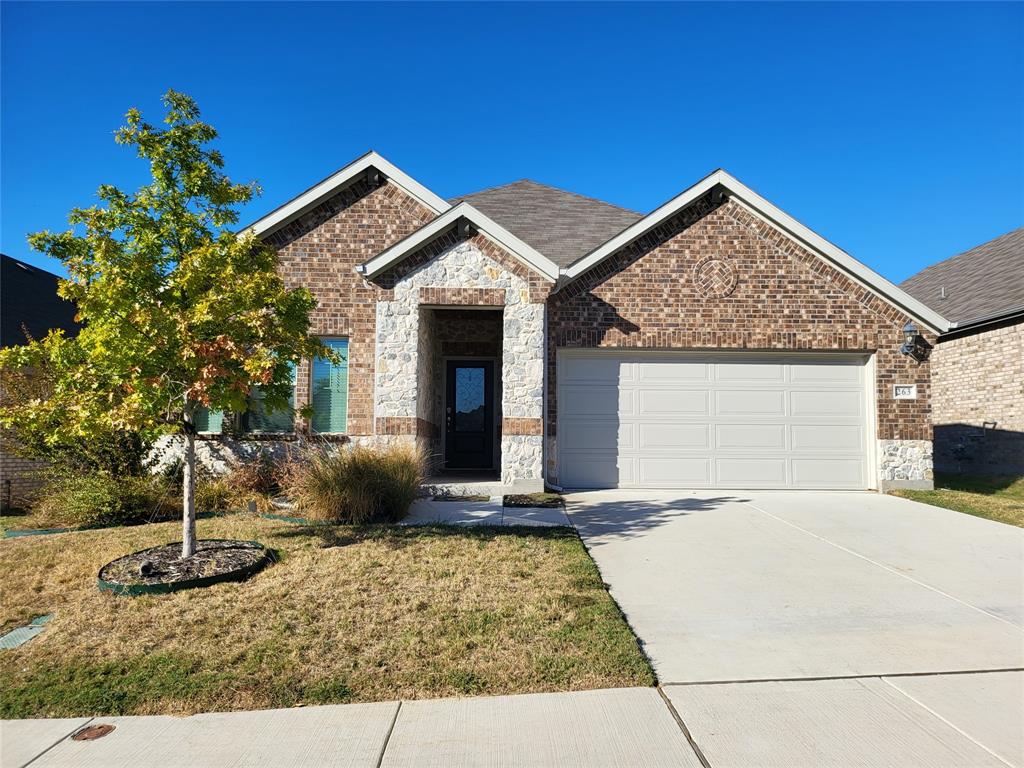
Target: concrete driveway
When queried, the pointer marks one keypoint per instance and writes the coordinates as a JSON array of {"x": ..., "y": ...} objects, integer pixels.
[{"x": 822, "y": 628}]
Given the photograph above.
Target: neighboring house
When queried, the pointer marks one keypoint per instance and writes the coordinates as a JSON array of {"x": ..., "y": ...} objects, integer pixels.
[
  {"x": 978, "y": 365},
  {"x": 29, "y": 304},
  {"x": 548, "y": 337}
]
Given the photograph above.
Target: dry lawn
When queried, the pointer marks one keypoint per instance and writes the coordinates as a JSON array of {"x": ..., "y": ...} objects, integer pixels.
[
  {"x": 996, "y": 498},
  {"x": 346, "y": 615}
]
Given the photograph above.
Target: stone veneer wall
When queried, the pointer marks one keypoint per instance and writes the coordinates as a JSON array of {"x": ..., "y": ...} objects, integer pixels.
[
  {"x": 457, "y": 272},
  {"x": 978, "y": 402},
  {"x": 905, "y": 464},
  {"x": 716, "y": 276}
]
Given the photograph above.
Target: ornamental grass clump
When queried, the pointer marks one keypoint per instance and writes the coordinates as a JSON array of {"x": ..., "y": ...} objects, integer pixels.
[{"x": 357, "y": 485}]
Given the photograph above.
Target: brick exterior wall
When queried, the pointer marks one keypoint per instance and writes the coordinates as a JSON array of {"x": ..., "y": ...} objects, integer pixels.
[
  {"x": 978, "y": 403},
  {"x": 320, "y": 250},
  {"x": 25, "y": 477},
  {"x": 718, "y": 277}
]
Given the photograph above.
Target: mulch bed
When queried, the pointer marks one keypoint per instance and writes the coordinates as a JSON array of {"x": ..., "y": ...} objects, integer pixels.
[
  {"x": 161, "y": 569},
  {"x": 547, "y": 501},
  {"x": 465, "y": 497}
]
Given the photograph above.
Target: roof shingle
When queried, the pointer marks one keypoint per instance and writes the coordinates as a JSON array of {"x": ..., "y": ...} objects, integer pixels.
[
  {"x": 29, "y": 301},
  {"x": 982, "y": 282},
  {"x": 561, "y": 225}
]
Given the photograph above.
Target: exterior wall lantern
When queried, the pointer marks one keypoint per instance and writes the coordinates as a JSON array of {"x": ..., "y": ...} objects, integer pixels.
[{"x": 914, "y": 344}]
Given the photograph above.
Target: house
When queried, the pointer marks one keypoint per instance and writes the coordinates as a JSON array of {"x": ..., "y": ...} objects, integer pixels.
[
  {"x": 978, "y": 365},
  {"x": 29, "y": 308},
  {"x": 547, "y": 337}
]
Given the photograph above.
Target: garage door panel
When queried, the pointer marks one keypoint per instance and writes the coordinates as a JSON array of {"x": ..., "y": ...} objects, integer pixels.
[
  {"x": 759, "y": 372},
  {"x": 847, "y": 403},
  {"x": 594, "y": 370},
  {"x": 669, "y": 372},
  {"x": 669, "y": 471},
  {"x": 764, "y": 473},
  {"x": 743, "y": 437},
  {"x": 598, "y": 435},
  {"x": 704, "y": 420},
  {"x": 686, "y": 436},
  {"x": 594, "y": 471},
  {"x": 750, "y": 402},
  {"x": 673, "y": 402},
  {"x": 828, "y": 473},
  {"x": 592, "y": 401},
  {"x": 828, "y": 437}
]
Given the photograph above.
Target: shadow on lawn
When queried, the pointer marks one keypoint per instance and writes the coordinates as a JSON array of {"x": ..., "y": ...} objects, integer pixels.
[{"x": 983, "y": 484}]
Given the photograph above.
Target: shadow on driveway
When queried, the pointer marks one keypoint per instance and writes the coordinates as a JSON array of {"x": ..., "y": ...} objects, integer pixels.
[{"x": 604, "y": 514}]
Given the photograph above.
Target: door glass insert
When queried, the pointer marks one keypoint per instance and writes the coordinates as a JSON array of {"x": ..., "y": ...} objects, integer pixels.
[{"x": 469, "y": 399}]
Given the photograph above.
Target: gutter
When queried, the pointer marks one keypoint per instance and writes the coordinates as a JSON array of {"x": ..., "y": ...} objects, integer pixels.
[{"x": 1002, "y": 319}]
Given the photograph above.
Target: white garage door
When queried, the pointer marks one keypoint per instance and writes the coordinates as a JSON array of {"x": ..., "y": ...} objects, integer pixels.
[{"x": 728, "y": 420}]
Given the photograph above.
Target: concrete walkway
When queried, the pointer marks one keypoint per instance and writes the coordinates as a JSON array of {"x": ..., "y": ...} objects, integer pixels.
[
  {"x": 621, "y": 727},
  {"x": 490, "y": 512}
]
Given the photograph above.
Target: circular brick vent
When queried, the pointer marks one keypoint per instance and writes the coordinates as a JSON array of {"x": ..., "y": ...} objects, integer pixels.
[{"x": 714, "y": 277}]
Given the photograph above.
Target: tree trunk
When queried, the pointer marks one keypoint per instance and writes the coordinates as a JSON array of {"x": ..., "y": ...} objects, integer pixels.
[{"x": 188, "y": 487}]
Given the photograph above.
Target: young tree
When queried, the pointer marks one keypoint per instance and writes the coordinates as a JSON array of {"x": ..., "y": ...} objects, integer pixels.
[{"x": 180, "y": 312}]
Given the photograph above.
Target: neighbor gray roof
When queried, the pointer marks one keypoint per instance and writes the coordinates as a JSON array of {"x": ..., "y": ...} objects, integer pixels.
[
  {"x": 561, "y": 225},
  {"x": 29, "y": 302},
  {"x": 983, "y": 282}
]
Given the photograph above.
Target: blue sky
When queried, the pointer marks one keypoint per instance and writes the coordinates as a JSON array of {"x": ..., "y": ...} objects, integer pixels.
[{"x": 894, "y": 130}]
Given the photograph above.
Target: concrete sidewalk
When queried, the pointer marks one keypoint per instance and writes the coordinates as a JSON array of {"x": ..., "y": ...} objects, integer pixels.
[
  {"x": 619, "y": 727},
  {"x": 931, "y": 721}
]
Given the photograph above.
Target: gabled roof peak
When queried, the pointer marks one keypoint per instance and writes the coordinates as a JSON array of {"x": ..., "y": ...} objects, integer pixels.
[{"x": 338, "y": 180}]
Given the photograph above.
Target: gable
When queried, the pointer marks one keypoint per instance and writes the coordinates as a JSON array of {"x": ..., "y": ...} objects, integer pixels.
[
  {"x": 370, "y": 169},
  {"x": 714, "y": 189},
  {"x": 717, "y": 270},
  {"x": 464, "y": 221}
]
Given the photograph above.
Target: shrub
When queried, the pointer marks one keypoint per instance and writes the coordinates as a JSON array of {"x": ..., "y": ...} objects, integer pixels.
[
  {"x": 257, "y": 475},
  {"x": 358, "y": 485},
  {"x": 74, "y": 500},
  {"x": 215, "y": 494}
]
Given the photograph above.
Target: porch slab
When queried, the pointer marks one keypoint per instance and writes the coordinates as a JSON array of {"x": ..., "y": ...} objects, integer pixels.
[
  {"x": 490, "y": 512},
  {"x": 429, "y": 512},
  {"x": 536, "y": 516}
]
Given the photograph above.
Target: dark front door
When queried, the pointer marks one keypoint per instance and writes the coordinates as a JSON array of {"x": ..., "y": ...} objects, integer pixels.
[{"x": 469, "y": 415}]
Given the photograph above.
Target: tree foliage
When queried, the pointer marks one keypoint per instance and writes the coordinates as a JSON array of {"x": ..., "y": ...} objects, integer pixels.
[{"x": 179, "y": 310}]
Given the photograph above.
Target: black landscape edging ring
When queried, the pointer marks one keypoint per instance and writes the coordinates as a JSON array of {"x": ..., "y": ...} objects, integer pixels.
[{"x": 134, "y": 590}]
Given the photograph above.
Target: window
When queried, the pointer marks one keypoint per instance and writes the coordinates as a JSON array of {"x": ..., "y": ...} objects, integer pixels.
[
  {"x": 209, "y": 421},
  {"x": 330, "y": 390},
  {"x": 258, "y": 419}
]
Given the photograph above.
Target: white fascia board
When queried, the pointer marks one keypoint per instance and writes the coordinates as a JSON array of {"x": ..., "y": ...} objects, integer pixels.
[
  {"x": 483, "y": 224},
  {"x": 318, "y": 192},
  {"x": 779, "y": 219}
]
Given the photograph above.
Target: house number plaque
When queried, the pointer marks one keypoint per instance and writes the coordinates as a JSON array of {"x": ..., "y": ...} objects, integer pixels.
[{"x": 904, "y": 391}]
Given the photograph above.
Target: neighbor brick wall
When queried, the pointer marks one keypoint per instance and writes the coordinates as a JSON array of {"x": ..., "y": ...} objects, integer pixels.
[
  {"x": 25, "y": 476},
  {"x": 780, "y": 297},
  {"x": 320, "y": 250},
  {"x": 978, "y": 402}
]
